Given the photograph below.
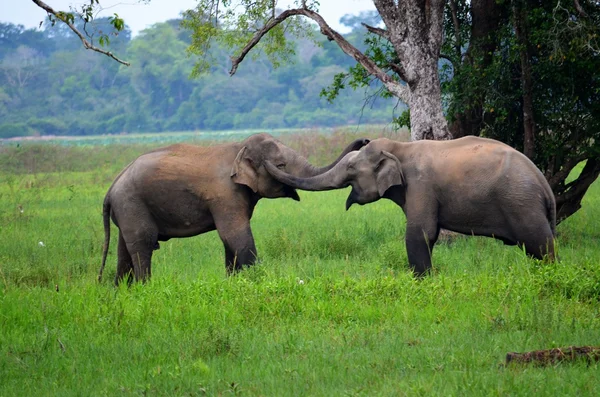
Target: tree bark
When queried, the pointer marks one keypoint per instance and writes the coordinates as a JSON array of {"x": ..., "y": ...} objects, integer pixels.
[{"x": 427, "y": 120}]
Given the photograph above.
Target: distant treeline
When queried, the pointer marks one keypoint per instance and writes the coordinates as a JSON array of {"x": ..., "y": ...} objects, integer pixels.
[{"x": 50, "y": 85}]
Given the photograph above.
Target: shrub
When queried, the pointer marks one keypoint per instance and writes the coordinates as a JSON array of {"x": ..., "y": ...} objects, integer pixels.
[{"x": 10, "y": 130}]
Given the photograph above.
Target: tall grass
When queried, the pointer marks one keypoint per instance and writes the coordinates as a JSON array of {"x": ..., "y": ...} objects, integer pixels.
[{"x": 331, "y": 309}]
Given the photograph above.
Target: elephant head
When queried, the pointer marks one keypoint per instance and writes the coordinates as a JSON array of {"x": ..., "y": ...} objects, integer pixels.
[
  {"x": 261, "y": 149},
  {"x": 372, "y": 172}
]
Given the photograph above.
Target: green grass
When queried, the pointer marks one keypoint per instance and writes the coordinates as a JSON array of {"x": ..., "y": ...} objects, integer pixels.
[{"x": 331, "y": 309}]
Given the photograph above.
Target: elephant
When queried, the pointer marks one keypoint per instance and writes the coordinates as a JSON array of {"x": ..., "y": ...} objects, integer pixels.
[
  {"x": 184, "y": 190},
  {"x": 470, "y": 185}
]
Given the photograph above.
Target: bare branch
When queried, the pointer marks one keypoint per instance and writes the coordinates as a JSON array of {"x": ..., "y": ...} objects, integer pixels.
[
  {"x": 86, "y": 43},
  {"x": 456, "y": 23},
  {"x": 580, "y": 9},
  {"x": 399, "y": 70},
  {"x": 390, "y": 14},
  {"x": 378, "y": 31},
  {"x": 392, "y": 85}
]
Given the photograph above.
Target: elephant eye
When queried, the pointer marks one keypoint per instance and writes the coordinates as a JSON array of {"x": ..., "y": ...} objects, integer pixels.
[
  {"x": 281, "y": 166},
  {"x": 378, "y": 166}
]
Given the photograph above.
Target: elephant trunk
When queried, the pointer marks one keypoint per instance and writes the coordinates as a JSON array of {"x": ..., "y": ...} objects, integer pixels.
[
  {"x": 310, "y": 170},
  {"x": 332, "y": 179}
]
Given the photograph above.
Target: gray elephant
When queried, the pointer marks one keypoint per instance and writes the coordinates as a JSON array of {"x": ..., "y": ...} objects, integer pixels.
[
  {"x": 185, "y": 190},
  {"x": 471, "y": 185}
]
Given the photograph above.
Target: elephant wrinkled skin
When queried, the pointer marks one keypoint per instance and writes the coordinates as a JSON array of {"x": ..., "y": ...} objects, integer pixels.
[
  {"x": 470, "y": 185},
  {"x": 185, "y": 190}
]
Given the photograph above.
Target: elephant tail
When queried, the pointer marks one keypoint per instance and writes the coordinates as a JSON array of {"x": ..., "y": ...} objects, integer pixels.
[
  {"x": 551, "y": 208},
  {"x": 106, "y": 219}
]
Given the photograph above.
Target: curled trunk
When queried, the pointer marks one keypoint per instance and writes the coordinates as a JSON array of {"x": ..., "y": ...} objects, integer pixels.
[
  {"x": 310, "y": 170},
  {"x": 329, "y": 180}
]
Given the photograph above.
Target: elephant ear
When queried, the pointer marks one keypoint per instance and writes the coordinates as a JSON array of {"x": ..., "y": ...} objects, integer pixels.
[
  {"x": 390, "y": 173},
  {"x": 243, "y": 172}
]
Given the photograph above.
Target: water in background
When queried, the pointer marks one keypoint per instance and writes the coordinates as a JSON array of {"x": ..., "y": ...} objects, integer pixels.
[{"x": 151, "y": 138}]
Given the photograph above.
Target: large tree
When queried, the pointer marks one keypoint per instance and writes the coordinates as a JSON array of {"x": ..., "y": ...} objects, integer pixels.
[
  {"x": 527, "y": 72},
  {"x": 413, "y": 28}
]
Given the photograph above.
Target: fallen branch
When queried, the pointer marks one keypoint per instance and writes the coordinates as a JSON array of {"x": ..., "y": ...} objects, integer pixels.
[{"x": 554, "y": 356}]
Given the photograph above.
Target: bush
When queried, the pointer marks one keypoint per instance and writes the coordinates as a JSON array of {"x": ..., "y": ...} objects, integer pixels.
[
  {"x": 10, "y": 130},
  {"x": 49, "y": 126}
]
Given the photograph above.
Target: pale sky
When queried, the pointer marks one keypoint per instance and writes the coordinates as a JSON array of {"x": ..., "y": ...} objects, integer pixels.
[{"x": 138, "y": 15}]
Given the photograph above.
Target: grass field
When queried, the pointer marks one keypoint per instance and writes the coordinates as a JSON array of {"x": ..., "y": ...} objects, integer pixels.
[{"x": 331, "y": 310}]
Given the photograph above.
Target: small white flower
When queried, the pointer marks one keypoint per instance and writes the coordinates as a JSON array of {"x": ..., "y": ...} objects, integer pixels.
[
  {"x": 300, "y": 282},
  {"x": 41, "y": 244}
]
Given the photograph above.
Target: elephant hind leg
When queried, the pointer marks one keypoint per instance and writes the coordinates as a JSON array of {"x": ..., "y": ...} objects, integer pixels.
[
  {"x": 538, "y": 241},
  {"x": 541, "y": 247},
  {"x": 124, "y": 263},
  {"x": 140, "y": 244}
]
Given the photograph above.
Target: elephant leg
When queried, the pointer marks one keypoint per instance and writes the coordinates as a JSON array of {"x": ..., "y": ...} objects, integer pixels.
[
  {"x": 124, "y": 263},
  {"x": 140, "y": 244},
  {"x": 539, "y": 243},
  {"x": 239, "y": 245},
  {"x": 420, "y": 240}
]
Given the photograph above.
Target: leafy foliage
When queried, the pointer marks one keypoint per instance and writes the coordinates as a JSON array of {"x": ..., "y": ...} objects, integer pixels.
[
  {"x": 565, "y": 65},
  {"x": 49, "y": 85},
  {"x": 231, "y": 24}
]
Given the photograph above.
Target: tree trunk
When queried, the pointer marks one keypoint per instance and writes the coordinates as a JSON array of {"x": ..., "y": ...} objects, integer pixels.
[
  {"x": 415, "y": 30},
  {"x": 569, "y": 196},
  {"x": 520, "y": 21},
  {"x": 486, "y": 18},
  {"x": 427, "y": 120}
]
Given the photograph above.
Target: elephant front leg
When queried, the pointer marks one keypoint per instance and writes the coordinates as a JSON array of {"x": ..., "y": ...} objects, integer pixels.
[
  {"x": 240, "y": 249},
  {"x": 419, "y": 246}
]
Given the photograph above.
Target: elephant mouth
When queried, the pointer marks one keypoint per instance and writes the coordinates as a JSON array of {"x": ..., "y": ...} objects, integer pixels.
[
  {"x": 352, "y": 199},
  {"x": 359, "y": 197},
  {"x": 291, "y": 193}
]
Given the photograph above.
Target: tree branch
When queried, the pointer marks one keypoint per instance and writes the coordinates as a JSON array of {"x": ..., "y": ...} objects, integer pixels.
[
  {"x": 456, "y": 23},
  {"x": 397, "y": 68},
  {"x": 392, "y": 85},
  {"x": 390, "y": 14},
  {"x": 378, "y": 31},
  {"x": 435, "y": 25},
  {"x": 580, "y": 9},
  {"x": 59, "y": 15}
]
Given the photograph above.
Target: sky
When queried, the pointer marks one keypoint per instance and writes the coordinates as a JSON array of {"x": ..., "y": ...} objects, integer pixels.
[{"x": 138, "y": 15}]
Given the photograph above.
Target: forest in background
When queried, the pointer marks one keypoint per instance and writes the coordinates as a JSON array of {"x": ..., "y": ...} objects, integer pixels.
[{"x": 50, "y": 85}]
